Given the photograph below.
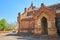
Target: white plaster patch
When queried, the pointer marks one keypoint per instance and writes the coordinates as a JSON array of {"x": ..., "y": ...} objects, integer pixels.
[{"x": 49, "y": 24}]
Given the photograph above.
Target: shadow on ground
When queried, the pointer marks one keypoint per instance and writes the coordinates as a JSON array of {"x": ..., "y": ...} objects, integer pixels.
[
  {"x": 12, "y": 34},
  {"x": 29, "y": 38}
]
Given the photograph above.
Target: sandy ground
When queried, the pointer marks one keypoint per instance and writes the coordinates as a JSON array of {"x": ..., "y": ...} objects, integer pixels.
[
  {"x": 7, "y": 36},
  {"x": 13, "y": 36}
]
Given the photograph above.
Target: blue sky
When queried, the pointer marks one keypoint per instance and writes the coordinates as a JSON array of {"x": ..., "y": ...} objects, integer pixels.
[{"x": 9, "y": 8}]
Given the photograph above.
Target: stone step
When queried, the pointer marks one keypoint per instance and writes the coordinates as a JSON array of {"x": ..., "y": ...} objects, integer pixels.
[
  {"x": 40, "y": 36},
  {"x": 44, "y": 36}
]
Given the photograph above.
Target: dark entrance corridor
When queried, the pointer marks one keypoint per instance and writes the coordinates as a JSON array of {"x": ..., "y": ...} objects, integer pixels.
[{"x": 44, "y": 26}]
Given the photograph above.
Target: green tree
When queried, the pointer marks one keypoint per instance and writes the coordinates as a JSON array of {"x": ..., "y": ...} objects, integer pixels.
[
  {"x": 3, "y": 24},
  {"x": 6, "y": 26}
]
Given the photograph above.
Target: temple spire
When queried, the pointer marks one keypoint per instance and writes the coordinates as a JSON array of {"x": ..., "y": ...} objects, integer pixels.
[
  {"x": 31, "y": 3},
  {"x": 31, "y": 6}
]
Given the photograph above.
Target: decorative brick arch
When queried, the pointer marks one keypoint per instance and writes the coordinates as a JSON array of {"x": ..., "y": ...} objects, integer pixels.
[
  {"x": 49, "y": 15},
  {"x": 44, "y": 26}
]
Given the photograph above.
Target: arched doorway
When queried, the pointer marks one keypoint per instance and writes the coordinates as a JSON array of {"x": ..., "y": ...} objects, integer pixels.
[{"x": 44, "y": 26}]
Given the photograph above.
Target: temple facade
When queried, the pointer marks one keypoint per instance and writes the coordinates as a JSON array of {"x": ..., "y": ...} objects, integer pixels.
[{"x": 44, "y": 20}]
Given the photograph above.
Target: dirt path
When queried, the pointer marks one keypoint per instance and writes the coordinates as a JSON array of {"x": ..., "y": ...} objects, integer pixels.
[{"x": 13, "y": 36}]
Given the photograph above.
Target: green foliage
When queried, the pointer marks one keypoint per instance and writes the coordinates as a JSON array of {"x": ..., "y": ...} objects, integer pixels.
[{"x": 3, "y": 24}]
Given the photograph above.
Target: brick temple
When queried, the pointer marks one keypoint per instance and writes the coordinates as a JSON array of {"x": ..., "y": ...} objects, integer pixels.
[{"x": 44, "y": 20}]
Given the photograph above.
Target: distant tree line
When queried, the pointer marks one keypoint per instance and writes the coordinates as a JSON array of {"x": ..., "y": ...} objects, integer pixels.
[{"x": 5, "y": 26}]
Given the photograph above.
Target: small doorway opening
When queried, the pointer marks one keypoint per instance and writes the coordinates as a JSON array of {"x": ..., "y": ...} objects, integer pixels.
[{"x": 44, "y": 26}]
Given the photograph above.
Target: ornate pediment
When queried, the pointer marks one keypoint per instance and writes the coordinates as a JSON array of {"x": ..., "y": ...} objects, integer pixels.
[{"x": 44, "y": 9}]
